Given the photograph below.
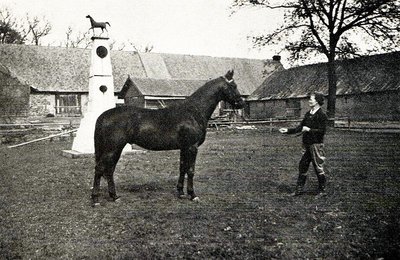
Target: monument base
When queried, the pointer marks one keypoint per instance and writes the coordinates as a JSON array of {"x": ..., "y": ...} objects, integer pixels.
[
  {"x": 84, "y": 138},
  {"x": 75, "y": 154}
]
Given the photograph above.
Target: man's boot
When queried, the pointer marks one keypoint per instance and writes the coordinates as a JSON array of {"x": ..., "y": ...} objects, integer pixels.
[
  {"x": 301, "y": 181},
  {"x": 321, "y": 184}
]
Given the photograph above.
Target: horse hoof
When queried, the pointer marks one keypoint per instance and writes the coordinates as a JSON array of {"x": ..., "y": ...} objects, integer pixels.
[
  {"x": 117, "y": 199},
  {"x": 196, "y": 199},
  {"x": 95, "y": 204},
  {"x": 94, "y": 201},
  {"x": 180, "y": 194}
]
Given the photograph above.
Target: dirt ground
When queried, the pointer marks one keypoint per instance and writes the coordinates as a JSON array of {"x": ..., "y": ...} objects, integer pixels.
[{"x": 244, "y": 179}]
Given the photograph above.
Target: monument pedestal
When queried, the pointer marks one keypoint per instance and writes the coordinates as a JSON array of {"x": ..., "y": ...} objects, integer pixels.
[
  {"x": 101, "y": 98},
  {"x": 83, "y": 144}
]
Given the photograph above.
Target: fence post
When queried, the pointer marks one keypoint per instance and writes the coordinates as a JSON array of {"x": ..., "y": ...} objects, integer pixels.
[
  {"x": 70, "y": 127},
  {"x": 270, "y": 125}
]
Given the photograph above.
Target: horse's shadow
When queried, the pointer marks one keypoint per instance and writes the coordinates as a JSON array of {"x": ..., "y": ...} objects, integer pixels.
[
  {"x": 150, "y": 189},
  {"x": 284, "y": 188},
  {"x": 145, "y": 187},
  {"x": 144, "y": 190}
]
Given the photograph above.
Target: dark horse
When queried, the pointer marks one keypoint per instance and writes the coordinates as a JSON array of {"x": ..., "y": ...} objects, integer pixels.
[
  {"x": 95, "y": 24},
  {"x": 182, "y": 126}
]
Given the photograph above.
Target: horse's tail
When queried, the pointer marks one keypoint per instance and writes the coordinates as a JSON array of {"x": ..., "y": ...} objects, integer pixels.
[
  {"x": 98, "y": 141},
  {"x": 108, "y": 23}
]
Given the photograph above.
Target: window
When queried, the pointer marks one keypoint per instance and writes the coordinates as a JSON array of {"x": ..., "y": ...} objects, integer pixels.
[
  {"x": 68, "y": 105},
  {"x": 293, "y": 108}
]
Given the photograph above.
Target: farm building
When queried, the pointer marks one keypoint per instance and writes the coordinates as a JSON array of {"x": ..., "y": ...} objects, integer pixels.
[
  {"x": 54, "y": 80},
  {"x": 180, "y": 75},
  {"x": 157, "y": 93},
  {"x": 368, "y": 88},
  {"x": 14, "y": 96}
]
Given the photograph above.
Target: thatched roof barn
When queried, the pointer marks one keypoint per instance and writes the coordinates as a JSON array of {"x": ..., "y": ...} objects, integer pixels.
[
  {"x": 65, "y": 71},
  {"x": 361, "y": 75},
  {"x": 367, "y": 88}
]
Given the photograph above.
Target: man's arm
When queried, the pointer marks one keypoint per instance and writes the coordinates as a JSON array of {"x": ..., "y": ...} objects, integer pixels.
[{"x": 298, "y": 129}]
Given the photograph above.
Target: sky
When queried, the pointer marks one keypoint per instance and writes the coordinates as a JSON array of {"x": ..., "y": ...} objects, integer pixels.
[{"x": 198, "y": 27}]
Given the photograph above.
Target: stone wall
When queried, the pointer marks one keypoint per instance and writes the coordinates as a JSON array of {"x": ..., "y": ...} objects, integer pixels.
[{"x": 42, "y": 104}]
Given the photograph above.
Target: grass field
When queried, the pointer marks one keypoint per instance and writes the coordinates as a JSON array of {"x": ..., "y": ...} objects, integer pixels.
[{"x": 244, "y": 180}]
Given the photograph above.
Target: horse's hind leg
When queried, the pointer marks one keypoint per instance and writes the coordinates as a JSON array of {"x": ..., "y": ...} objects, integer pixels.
[
  {"x": 111, "y": 160},
  {"x": 111, "y": 184},
  {"x": 96, "y": 186},
  {"x": 105, "y": 167}
]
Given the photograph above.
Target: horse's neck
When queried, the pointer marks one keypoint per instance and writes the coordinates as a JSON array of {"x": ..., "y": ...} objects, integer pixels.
[
  {"x": 205, "y": 100},
  {"x": 92, "y": 20}
]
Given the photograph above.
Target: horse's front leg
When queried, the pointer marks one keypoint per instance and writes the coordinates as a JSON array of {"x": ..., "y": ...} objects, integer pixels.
[
  {"x": 187, "y": 166},
  {"x": 182, "y": 172}
]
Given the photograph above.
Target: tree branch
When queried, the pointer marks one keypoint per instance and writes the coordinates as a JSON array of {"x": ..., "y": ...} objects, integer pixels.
[{"x": 313, "y": 29}]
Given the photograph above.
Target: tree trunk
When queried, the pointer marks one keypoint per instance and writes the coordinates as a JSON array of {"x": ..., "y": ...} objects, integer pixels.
[{"x": 332, "y": 81}]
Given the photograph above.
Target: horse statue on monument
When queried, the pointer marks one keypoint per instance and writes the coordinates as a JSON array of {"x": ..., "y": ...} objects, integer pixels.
[
  {"x": 94, "y": 24},
  {"x": 180, "y": 126}
]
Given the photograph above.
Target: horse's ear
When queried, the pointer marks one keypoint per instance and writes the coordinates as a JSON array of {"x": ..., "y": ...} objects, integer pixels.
[{"x": 229, "y": 75}]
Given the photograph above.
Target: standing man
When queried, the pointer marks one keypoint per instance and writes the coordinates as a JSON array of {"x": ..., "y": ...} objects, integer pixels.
[{"x": 313, "y": 128}]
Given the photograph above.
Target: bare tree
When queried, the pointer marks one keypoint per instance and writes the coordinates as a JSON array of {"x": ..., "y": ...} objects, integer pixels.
[
  {"x": 122, "y": 46},
  {"x": 146, "y": 48},
  {"x": 76, "y": 39},
  {"x": 112, "y": 44},
  {"x": 10, "y": 30},
  {"x": 329, "y": 27},
  {"x": 38, "y": 28}
]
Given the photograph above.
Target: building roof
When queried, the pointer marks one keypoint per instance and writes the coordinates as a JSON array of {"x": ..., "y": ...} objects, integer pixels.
[
  {"x": 360, "y": 75},
  {"x": 57, "y": 69},
  {"x": 170, "y": 87}
]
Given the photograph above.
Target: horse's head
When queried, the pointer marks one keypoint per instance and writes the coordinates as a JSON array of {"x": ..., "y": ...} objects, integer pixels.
[
  {"x": 88, "y": 16},
  {"x": 230, "y": 92}
]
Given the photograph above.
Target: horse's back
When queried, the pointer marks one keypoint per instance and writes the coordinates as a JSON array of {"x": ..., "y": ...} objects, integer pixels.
[
  {"x": 154, "y": 129},
  {"x": 167, "y": 129}
]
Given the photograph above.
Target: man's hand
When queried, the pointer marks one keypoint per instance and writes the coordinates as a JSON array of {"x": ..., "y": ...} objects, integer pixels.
[
  {"x": 306, "y": 129},
  {"x": 283, "y": 130}
]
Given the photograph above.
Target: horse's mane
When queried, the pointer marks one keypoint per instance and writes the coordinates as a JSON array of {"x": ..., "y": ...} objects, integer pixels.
[
  {"x": 205, "y": 87},
  {"x": 194, "y": 96}
]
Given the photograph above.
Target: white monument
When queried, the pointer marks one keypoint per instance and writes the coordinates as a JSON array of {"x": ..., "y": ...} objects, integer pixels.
[
  {"x": 101, "y": 97},
  {"x": 101, "y": 94}
]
